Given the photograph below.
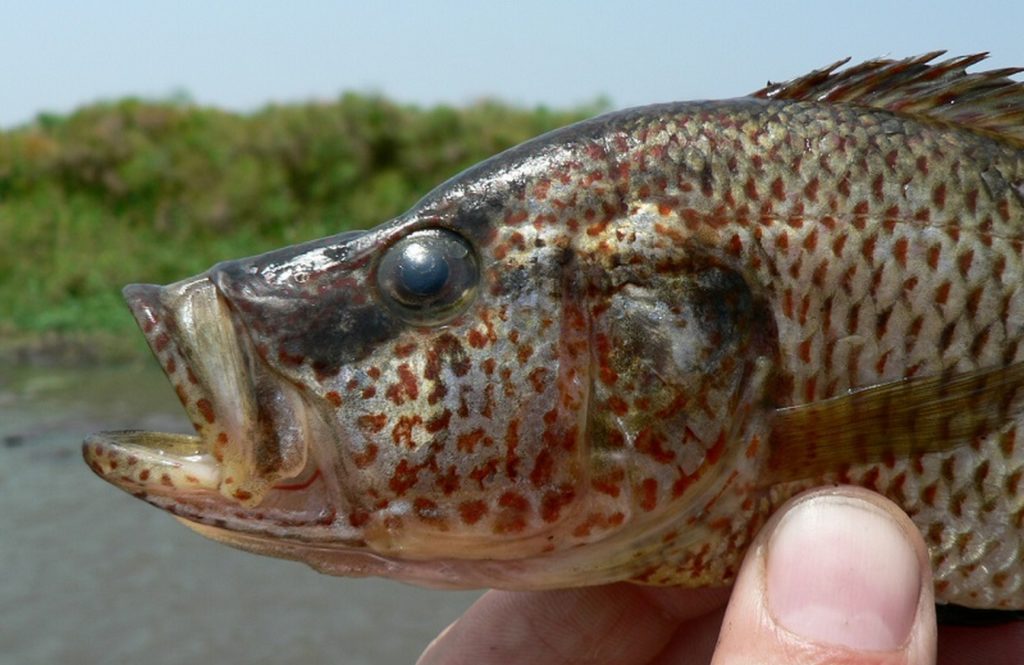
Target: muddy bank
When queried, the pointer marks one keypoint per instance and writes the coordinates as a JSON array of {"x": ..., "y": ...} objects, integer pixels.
[{"x": 94, "y": 576}]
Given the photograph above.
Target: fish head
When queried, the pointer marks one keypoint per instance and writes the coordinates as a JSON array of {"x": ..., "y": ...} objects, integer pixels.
[{"x": 497, "y": 388}]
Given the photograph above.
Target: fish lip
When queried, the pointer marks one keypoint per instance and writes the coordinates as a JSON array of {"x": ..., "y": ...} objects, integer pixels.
[{"x": 144, "y": 462}]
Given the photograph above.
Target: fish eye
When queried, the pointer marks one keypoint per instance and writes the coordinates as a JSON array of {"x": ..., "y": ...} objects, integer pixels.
[{"x": 429, "y": 276}]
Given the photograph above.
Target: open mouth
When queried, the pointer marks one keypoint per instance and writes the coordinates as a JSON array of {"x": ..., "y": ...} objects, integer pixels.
[{"x": 250, "y": 427}]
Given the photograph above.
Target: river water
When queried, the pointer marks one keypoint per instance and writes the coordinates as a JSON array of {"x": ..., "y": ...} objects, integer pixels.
[{"x": 91, "y": 575}]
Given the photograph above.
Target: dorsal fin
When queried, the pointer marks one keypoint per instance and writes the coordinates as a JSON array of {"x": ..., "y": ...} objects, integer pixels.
[{"x": 990, "y": 101}]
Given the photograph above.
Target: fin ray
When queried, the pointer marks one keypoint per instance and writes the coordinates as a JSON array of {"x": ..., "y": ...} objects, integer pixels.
[
  {"x": 989, "y": 102},
  {"x": 894, "y": 420}
]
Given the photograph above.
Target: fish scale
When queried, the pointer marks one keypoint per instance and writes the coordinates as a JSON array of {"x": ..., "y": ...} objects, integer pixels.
[
  {"x": 912, "y": 267},
  {"x": 670, "y": 320}
]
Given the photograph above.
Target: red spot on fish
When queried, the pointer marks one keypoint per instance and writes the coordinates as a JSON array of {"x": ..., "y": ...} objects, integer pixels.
[
  {"x": 471, "y": 512},
  {"x": 618, "y": 405},
  {"x": 942, "y": 293},
  {"x": 369, "y": 392},
  {"x": 516, "y": 217},
  {"x": 405, "y": 387},
  {"x": 537, "y": 378},
  {"x": 804, "y": 350},
  {"x": 427, "y": 510},
  {"x": 366, "y": 457},
  {"x": 971, "y": 200},
  {"x": 372, "y": 422},
  {"x": 597, "y": 228},
  {"x": 928, "y": 494},
  {"x": 939, "y": 195},
  {"x": 404, "y": 477},
  {"x": 811, "y": 189},
  {"x": 1007, "y": 443},
  {"x": 867, "y": 249},
  {"x": 648, "y": 495},
  {"x": 651, "y": 443},
  {"x": 838, "y": 244},
  {"x": 753, "y": 446},
  {"x": 358, "y": 518},
  {"x": 553, "y": 501},
  {"x": 900, "y": 251},
  {"x": 206, "y": 409},
  {"x": 523, "y": 353},
  {"x": 811, "y": 241},
  {"x": 735, "y": 246},
  {"x": 750, "y": 189},
  {"x": 543, "y": 467},
  {"x": 439, "y": 422},
  {"x": 964, "y": 262},
  {"x": 609, "y": 483},
  {"x": 715, "y": 451},
  {"x": 404, "y": 350},
  {"x": 811, "y": 389},
  {"x": 513, "y": 516},
  {"x": 477, "y": 339},
  {"x": 467, "y": 442},
  {"x": 334, "y": 398},
  {"x": 485, "y": 472},
  {"x": 401, "y": 433}
]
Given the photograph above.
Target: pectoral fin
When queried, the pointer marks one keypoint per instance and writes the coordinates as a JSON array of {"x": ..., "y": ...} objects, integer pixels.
[{"x": 893, "y": 420}]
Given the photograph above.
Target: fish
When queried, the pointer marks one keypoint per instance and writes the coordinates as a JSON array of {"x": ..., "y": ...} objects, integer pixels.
[{"x": 609, "y": 353}]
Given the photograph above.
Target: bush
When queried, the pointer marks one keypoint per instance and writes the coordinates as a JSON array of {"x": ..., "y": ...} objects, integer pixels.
[{"x": 135, "y": 191}]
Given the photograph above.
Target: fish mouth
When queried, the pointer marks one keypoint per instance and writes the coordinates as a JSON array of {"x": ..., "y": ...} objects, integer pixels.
[{"x": 247, "y": 467}]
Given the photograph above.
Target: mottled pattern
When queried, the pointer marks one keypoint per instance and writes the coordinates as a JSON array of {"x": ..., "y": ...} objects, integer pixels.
[{"x": 656, "y": 285}]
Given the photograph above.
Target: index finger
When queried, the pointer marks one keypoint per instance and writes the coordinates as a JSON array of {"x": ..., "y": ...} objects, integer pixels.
[{"x": 618, "y": 623}]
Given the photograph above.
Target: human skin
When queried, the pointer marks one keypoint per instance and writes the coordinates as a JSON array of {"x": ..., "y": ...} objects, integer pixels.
[{"x": 839, "y": 575}]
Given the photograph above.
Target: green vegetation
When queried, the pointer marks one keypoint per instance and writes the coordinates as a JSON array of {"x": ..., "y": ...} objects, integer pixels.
[{"x": 135, "y": 191}]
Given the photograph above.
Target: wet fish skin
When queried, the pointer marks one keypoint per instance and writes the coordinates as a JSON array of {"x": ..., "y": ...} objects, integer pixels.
[{"x": 665, "y": 295}]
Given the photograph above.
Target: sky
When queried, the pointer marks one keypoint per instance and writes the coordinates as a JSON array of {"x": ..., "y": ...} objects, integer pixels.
[{"x": 242, "y": 55}]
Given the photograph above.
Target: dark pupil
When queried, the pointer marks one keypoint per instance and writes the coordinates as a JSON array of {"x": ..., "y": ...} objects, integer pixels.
[{"x": 422, "y": 272}]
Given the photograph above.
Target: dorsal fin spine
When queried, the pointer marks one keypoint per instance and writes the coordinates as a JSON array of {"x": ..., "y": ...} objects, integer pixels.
[{"x": 990, "y": 102}]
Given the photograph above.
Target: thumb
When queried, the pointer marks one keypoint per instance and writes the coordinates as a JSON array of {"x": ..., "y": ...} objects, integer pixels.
[{"x": 837, "y": 575}]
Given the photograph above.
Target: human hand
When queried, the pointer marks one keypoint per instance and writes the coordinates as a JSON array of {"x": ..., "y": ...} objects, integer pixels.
[{"x": 837, "y": 575}]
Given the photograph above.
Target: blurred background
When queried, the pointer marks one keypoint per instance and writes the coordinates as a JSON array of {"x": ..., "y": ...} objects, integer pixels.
[{"x": 146, "y": 141}]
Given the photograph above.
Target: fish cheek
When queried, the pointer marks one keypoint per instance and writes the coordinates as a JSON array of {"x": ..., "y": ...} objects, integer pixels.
[{"x": 679, "y": 356}]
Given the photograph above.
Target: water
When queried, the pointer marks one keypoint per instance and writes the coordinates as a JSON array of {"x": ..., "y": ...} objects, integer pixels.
[{"x": 90, "y": 575}]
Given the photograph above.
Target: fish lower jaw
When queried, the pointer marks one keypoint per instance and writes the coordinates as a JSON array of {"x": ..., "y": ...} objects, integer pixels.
[{"x": 138, "y": 461}]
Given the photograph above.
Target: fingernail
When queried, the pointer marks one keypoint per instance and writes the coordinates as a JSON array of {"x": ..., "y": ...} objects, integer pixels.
[{"x": 841, "y": 571}]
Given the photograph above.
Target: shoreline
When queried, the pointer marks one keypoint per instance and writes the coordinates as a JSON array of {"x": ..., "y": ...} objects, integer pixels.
[{"x": 71, "y": 349}]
